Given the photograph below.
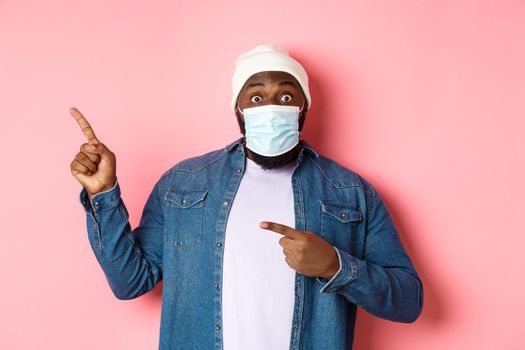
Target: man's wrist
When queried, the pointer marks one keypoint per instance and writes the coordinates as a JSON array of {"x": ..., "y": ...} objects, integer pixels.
[
  {"x": 333, "y": 267},
  {"x": 104, "y": 189}
]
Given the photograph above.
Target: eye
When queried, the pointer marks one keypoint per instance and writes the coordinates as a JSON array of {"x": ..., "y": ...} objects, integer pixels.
[
  {"x": 286, "y": 98},
  {"x": 256, "y": 99}
]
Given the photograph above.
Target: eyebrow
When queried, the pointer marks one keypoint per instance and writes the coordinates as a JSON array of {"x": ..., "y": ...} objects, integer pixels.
[
  {"x": 254, "y": 85},
  {"x": 286, "y": 82}
]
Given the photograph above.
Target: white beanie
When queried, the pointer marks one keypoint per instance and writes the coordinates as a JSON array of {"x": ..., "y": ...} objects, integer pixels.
[{"x": 264, "y": 58}]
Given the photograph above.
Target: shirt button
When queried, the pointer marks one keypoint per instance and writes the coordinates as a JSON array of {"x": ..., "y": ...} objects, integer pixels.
[
  {"x": 343, "y": 215},
  {"x": 217, "y": 327},
  {"x": 184, "y": 201},
  {"x": 219, "y": 244},
  {"x": 96, "y": 203},
  {"x": 238, "y": 170},
  {"x": 225, "y": 203},
  {"x": 216, "y": 285}
]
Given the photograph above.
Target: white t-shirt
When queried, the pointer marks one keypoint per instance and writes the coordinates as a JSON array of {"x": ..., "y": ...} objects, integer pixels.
[{"x": 258, "y": 285}]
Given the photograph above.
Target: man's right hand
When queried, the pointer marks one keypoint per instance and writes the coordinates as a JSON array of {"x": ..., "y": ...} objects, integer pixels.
[{"x": 95, "y": 166}]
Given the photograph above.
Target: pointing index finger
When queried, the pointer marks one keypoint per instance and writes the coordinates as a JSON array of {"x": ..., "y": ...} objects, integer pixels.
[
  {"x": 279, "y": 228},
  {"x": 84, "y": 125}
]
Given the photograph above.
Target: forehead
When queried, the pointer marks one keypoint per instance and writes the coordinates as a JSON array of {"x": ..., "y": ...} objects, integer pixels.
[{"x": 271, "y": 77}]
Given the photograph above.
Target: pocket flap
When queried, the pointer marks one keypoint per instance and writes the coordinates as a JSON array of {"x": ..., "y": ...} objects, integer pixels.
[
  {"x": 344, "y": 212},
  {"x": 185, "y": 198}
]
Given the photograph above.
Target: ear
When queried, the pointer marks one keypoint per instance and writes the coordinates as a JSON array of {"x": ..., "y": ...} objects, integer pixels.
[
  {"x": 238, "y": 114},
  {"x": 240, "y": 121},
  {"x": 302, "y": 119}
]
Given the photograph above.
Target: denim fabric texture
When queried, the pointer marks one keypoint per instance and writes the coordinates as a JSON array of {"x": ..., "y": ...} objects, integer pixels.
[{"x": 180, "y": 240}]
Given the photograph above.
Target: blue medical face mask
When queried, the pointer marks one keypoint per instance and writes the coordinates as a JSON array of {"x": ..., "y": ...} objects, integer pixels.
[{"x": 271, "y": 130}]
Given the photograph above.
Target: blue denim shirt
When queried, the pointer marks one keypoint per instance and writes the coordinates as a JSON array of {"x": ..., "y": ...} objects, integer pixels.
[{"x": 180, "y": 240}]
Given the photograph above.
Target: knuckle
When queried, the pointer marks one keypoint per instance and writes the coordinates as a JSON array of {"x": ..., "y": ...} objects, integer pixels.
[
  {"x": 91, "y": 157},
  {"x": 76, "y": 165}
]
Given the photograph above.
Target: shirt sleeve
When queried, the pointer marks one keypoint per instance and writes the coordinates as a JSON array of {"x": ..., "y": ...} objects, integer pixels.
[
  {"x": 130, "y": 258},
  {"x": 385, "y": 282}
]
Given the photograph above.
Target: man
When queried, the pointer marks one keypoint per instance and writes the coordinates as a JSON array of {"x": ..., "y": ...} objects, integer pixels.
[{"x": 263, "y": 244}]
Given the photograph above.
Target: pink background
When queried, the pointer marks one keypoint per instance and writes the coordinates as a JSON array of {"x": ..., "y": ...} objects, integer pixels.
[{"x": 425, "y": 99}]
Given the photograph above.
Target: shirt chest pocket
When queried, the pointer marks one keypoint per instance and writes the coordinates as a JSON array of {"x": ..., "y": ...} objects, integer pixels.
[
  {"x": 184, "y": 216},
  {"x": 339, "y": 222}
]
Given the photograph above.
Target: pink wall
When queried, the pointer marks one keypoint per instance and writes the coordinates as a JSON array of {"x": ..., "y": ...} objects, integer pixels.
[{"x": 423, "y": 98}]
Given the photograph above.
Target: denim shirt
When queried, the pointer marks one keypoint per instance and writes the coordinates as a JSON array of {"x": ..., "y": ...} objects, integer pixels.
[{"x": 180, "y": 240}]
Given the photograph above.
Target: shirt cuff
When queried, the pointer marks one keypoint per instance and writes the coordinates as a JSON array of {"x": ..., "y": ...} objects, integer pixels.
[
  {"x": 346, "y": 273},
  {"x": 105, "y": 199}
]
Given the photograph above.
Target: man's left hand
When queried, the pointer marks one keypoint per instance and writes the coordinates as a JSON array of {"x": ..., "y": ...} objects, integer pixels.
[{"x": 305, "y": 252}]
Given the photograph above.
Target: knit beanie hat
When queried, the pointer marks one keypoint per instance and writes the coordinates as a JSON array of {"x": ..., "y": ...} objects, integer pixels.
[{"x": 263, "y": 58}]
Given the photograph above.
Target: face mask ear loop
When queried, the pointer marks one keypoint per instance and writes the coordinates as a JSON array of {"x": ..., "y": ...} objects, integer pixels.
[
  {"x": 301, "y": 132},
  {"x": 240, "y": 110},
  {"x": 302, "y": 107}
]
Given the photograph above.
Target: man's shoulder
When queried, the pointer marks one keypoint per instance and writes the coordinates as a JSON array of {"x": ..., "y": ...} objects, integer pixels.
[
  {"x": 197, "y": 163},
  {"x": 339, "y": 175}
]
